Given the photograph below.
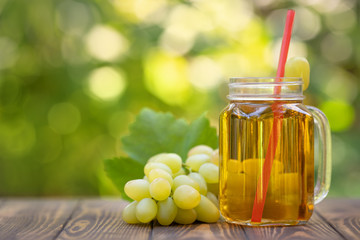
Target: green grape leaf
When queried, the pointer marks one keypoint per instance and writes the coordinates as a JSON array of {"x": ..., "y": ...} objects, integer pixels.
[
  {"x": 154, "y": 133},
  {"x": 199, "y": 132},
  {"x": 121, "y": 170}
]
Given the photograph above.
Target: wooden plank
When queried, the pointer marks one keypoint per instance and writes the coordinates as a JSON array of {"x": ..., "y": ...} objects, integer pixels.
[
  {"x": 33, "y": 218},
  {"x": 101, "y": 219},
  {"x": 197, "y": 230},
  {"x": 315, "y": 229},
  {"x": 343, "y": 215}
]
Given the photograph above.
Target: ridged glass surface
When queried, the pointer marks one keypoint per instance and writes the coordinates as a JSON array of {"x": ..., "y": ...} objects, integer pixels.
[{"x": 245, "y": 129}]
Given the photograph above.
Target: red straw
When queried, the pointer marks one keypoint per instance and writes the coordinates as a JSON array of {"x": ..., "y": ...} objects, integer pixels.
[{"x": 263, "y": 182}]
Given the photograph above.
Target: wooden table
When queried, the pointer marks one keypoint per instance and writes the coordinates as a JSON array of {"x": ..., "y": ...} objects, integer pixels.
[{"x": 101, "y": 219}]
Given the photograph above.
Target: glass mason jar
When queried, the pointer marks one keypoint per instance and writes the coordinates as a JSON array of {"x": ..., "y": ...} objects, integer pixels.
[{"x": 255, "y": 118}]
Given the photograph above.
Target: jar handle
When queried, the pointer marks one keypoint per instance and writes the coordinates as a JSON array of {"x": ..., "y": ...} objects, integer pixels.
[{"x": 324, "y": 170}]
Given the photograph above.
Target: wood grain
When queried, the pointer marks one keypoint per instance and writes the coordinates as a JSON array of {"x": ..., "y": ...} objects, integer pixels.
[
  {"x": 101, "y": 219},
  {"x": 343, "y": 215},
  {"x": 33, "y": 219},
  {"x": 315, "y": 229},
  {"x": 216, "y": 231}
]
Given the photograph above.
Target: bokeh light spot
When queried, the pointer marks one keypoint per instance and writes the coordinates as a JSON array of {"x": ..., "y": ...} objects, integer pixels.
[
  {"x": 245, "y": 58},
  {"x": 321, "y": 5},
  {"x": 166, "y": 77},
  {"x": 148, "y": 9},
  {"x": 106, "y": 83},
  {"x": 204, "y": 73},
  {"x": 190, "y": 19},
  {"x": 340, "y": 114},
  {"x": 328, "y": 6},
  {"x": 176, "y": 41},
  {"x": 233, "y": 65},
  {"x": 182, "y": 26},
  {"x": 64, "y": 118},
  {"x": 238, "y": 13},
  {"x": 342, "y": 21},
  {"x": 306, "y": 24},
  {"x": 336, "y": 48},
  {"x": 126, "y": 8},
  {"x": 105, "y": 43},
  {"x": 275, "y": 21},
  {"x": 297, "y": 48},
  {"x": 73, "y": 17}
]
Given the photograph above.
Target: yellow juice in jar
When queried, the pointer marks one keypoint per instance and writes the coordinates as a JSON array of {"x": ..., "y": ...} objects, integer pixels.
[{"x": 245, "y": 128}]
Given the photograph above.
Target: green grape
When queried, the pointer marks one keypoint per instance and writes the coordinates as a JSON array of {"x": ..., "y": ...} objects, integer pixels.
[
  {"x": 160, "y": 189},
  {"x": 159, "y": 173},
  {"x": 214, "y": 188},
  {"x": 186, "y": 197},
  {"x": 137, "y": 189},
  {"x": 185, "y": 180},
  {"x": 167, "y": 211},
  {"x": 195, "y": 161},
  {"x": 153, "y": 158},
  {"x": 298, "y": 67},
  {"x": 213, "y": 199},
  {"x": 129, "y": 213},
  {"x": 172, "y": 160},
  {"x": 210, "y": 172},
  {"x": 200, "y": 180},
  {"x": 200, "y": 149},
  {"x": 207, "y": 211},
  {"x": 154, "y": 165},
  {"x": 146, "y": 210},
  {"x": 215, "y": 157},
  {"x": 180, "y": 172},
  {"x": 185, "y": 216}
]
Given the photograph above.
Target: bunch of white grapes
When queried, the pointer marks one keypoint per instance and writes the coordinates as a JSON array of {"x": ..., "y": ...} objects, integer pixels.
[{"x": 173, "y": 192}]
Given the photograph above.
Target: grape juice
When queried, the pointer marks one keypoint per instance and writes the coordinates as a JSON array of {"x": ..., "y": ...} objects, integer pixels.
[{"x": 245, "y": 129}]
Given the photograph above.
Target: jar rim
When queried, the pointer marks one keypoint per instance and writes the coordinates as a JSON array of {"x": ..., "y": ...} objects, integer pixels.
[
  {"x": 265, "y": 88},
  {"x": 266, "y": 80}
]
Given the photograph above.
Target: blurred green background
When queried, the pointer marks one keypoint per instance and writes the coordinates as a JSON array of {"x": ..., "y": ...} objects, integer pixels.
[{"x": 74, "y": 73}]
